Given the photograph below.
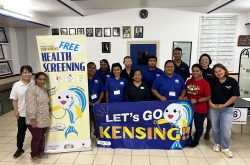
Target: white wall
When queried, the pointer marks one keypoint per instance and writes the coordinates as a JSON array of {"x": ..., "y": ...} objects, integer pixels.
[{"x": 162, "y": 24}]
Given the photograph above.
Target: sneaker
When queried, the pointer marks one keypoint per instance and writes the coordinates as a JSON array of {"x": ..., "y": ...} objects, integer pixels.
[
  {"x": 206, "y": 136},
  {"x": 18, "y": 153},
  {"x": 227, "y": 152},
  {"x": 193, "y": 144},
  {"x": 36, "y": 160}
]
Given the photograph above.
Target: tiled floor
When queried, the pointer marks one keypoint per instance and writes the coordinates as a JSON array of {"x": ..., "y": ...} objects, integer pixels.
[{"x": 202, "y": 155}]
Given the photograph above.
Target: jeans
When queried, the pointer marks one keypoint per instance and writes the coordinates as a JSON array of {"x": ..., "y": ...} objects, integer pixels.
[
  {"x": 21, "y": 125},
  {"x": 209, "y": 124},
  {"x": 222, "y": 125}
]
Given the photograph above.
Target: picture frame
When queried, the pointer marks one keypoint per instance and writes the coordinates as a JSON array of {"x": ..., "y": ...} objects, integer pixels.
[
  {"x": 116, "y": 32},
  {"x": 138, "y": 32},
  {"x": 98, "y": 32},
  {"x": 126, "y": 32},
  {"x": 72, "y": 31},
  {"x": 89, "y": 32},
  {"x": 55, "y": 31},
  {"x": 244, "y": 40},
  {"x": 186, "y": 47},
  {"x": 3, "y": 38},
  {"x": 80, "y": 31},
  {"x": 107, "y": 32},
  {"x": 106, "y": 47},
  {"x": 5, "y": 68},
  {"x": 1, "y": 53},
  {"x": 64, "y": 31}
]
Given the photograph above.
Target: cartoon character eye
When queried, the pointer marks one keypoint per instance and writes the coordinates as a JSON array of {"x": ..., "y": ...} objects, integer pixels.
[
  {"x": 59, "y": 97},
  {"x": 175, "y": 111},
  {"x": 166, "y": 110},
  {"x": 67, "y": 96}
]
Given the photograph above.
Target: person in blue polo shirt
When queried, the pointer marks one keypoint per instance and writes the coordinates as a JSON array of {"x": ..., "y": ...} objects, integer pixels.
[
  {"x": 180, "y": 67},
  {"x": 96, "y": 91},
  {"x": 115, "y": 85},
  {"x": 169, "y": 86},
  {"x": 150, "y": 73},
  {"x": 104, "y": 71}
]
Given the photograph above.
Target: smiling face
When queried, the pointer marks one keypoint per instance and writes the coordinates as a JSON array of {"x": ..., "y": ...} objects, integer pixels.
[
  {"x": 91, "y": 70},
  {"x": 127, "y": 62},
  {"x": 41, "y": 80},
  {"x": 117, "y": 71},
  {"x": 66, "y": 98},
  {"x": 152, "y": 62},
  {"x": 177, "y": 55},
  {"x": 204, "y": 62},
  {"x": 137, "y": 76},
  {"x": 196, "y": 72},
  {"x": 104, "y": 66},
  {"x": 219, "y": 73},
  {"x": 173, "y": 113},
  {"x": 169, "y": 68}
]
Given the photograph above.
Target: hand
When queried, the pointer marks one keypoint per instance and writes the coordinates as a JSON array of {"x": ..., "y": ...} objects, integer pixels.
[
  {"x": 181, "y": 98},
  {"x": 16, "y": 113},
  {"x": 91, "y": 104},
  {"x": 193, "y": 101},
  {"x": 221, "y": 106},
  {"x": 214, "y": 106},
  {"x": 163, "y": 98},
  {"x": 33, "y": 123}
]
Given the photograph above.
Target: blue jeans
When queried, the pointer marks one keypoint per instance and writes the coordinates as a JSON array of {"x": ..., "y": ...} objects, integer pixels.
[{"x": 222, "y": 125}]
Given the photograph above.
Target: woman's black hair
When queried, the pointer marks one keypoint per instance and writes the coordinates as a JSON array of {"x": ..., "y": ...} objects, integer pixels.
[
  {"x": 105, "y": 61},
  {"x": 206, "y": 55},
  {"x": 29, "y": 68},
  {"x": 168, "y": 61},
  {"x": 39, "y": 74},
  {"x": 91, "y": 63},
  {"x": 197, "y": 66},
  {"x": 115, "y": 65},
  {"x": 136, "y": 70}
]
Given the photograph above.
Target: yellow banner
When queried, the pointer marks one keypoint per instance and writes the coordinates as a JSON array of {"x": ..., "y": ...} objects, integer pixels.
[{"x": 64, "y": 59}]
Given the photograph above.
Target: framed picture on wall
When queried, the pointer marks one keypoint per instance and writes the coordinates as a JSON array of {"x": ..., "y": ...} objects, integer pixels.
[
  {"x": 107, "y": 32},
  {"x": 126, "y": 32},
  {"x": 89, "y": 32},
  {"x": 72, "y": 31},
  {"x": 5, "y": 68},
  {"x": 55, "y": 31},
  {"x": 106, "y": 47},
  {"x": 186, "y": 47},
  {"x": 80, "y": 31},
  {"x": 1, "y": 53},
  {"x": 138, "y": 31},
  {"x": 98, "y": 32},
  {"x": 3, "y": 38},
  {"x": 116, "y": 32},
  {"x": 64, "y": 31}
]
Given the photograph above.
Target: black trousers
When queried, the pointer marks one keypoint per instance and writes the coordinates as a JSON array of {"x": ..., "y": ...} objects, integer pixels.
[
  {"x": 209, "y": 124},
  {"x": 92, "y": 119},
  {"x": 198, "y": 123},
  {"x": 21, "y": 125}
]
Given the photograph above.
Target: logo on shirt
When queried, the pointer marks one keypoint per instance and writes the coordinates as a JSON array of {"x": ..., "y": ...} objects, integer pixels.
[
  {"x": 157, "y": 75},
  {"x": 193, "y": 89},
  {"x": 228, "y": 87},
  {"x": 142, "y": 87},
  {"x": 176, "y": 81},
  {"x": 107, "y": 75},
  {"x": 121, "y": 83},
  {"x": 96, "y": 81}
]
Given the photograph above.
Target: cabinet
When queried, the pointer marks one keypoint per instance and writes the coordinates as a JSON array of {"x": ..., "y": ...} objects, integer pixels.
[{"x": 6, "y": 64}]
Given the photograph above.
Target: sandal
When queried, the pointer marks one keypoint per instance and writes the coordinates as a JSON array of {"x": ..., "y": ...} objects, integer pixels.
[
  {"x": 227, "y": 152},
  {"x": 216, "y": 148}
]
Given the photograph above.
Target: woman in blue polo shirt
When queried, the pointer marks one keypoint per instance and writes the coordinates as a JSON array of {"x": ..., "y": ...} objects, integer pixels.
[
  {"x": 115, "y": 85},
  {"x": 225, "y": 91},
  {"x": 96, "y": 90},
  {"x": 169, "y": 86}
]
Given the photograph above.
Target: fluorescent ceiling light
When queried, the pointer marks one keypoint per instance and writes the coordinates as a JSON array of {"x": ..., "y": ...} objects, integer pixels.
[{"x": 13, "y": 14}]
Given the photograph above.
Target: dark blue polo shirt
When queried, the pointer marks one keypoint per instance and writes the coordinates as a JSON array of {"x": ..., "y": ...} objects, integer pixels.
[
  {"x": 166, "y": 86},
  {"x": 148, "y": 76},
  {"x": 182, "y": 70},
  {"x": 116, "y": 89},
  {"x": 96, "y": 87},
  {"x": 222, "y": 92},
  {"x": 103, "y": 75},
  {"x": 207, "y": 74}
]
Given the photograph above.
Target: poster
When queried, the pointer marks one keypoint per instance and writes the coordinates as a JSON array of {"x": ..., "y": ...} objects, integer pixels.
[
  {"x": 144, "y": 125},
  {"x": 64, "y": 59}
]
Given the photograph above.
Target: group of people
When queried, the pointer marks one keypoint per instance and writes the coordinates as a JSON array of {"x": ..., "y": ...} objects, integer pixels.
[{"x": 211, "y": 91}]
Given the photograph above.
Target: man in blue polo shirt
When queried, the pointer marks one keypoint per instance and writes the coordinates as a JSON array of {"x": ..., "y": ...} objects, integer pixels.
[
  {"x": 150, "y": 73},
  {"x": 169, "y": 86},
  {"x": 180, "y": 67}
]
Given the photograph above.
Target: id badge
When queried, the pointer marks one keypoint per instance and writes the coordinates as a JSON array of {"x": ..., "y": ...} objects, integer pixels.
[
  {"x": 172, "y": 93},
  {"x": 94, "y": 96},
  {"x": 117, "y": 92}
]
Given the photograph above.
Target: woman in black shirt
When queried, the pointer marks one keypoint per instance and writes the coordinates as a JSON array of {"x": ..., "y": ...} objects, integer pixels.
[
  {"x": 225, "y": 91},
  {"x": 137, "y": 90}
]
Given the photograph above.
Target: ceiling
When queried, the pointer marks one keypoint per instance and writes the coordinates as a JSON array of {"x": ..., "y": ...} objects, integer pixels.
[{"x": 61, "y": 8}]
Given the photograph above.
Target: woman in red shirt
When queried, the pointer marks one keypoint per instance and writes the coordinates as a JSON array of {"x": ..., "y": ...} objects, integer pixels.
[{"x": 198, "y": 92}]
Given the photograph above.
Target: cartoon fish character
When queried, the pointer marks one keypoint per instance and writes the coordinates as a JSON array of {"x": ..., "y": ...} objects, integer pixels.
[
  {"x": 73, "y": 101},
  {"x": 179, "y": 115}
]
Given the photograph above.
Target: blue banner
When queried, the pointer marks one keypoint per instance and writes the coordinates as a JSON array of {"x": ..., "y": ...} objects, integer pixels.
[{"x": 144, "y": 125}]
